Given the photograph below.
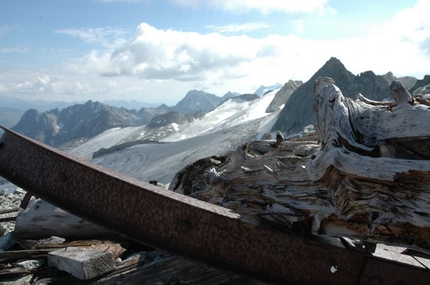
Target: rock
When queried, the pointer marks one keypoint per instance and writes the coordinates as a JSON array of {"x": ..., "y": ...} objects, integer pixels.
[
  {"x": 30, "y": 264},
  {"x": 19, "y": 191},
  {"x": 6, "y": 241},
  {"x": 18, "y": 280}
]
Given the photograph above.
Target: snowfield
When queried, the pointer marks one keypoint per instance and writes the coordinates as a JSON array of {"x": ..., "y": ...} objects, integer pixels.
[
  {"x": 106, "y": 139},
  {"x": 230, "y": 125},
  {"x": 232, "y": 112}
]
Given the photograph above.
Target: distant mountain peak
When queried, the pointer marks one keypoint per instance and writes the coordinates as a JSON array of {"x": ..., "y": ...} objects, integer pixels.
[
  {"x": 86, "y": 120},
  {"x": 265, "y": 89},
  {"x": 282, "y": 96},
  {"x": 197, "y": 101}
]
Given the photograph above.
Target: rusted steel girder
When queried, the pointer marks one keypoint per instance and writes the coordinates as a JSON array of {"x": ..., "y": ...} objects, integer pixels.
[{"x": 185, "y": 226}]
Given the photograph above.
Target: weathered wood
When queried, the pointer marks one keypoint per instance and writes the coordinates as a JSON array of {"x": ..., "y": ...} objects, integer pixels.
[
  {"x": 366, "y": 173},
  {"x": 13, "y": 271},
  {"x": 7, "y": 219},
  {"x": 101, "y": 245},
  {"x": 24, "y": 254},
  {"x": 41, "y": 219},
  {"x": 82, "y": 263},
  {"x": 370, "y": 133},
  {"x": 158, "y": 267}
]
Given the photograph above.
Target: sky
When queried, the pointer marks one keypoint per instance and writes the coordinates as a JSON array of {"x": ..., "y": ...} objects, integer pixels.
[{"x": 155, "y": 51}]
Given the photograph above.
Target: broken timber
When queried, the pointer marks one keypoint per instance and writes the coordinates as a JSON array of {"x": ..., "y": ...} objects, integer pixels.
[{"x": 365, "y": 175}]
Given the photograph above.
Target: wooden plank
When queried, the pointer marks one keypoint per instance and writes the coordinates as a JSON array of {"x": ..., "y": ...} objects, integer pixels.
[
  {"x": 24, "y": 254},
  {"x": 82, "y": 263}
]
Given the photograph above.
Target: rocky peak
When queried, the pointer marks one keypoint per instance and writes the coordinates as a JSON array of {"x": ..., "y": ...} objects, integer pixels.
[
  {"x": 195, "y": 101},
  {"x": 78, "y": 121},
  {"x": 282, "y": 96},
  {"x": 298, "y": 111}
]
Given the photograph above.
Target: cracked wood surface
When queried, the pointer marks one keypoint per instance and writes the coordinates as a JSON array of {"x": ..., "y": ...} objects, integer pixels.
[{"x": 363, "y": 174}]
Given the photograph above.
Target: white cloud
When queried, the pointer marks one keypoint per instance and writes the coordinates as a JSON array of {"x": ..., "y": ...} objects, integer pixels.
[
  {"x": 107, "y": 37},
  {"x": 14, "y": 50},
  {"x": 401, "y": 45},
  {"x": 125, "y": 1},
  {"x": 43, "y": 83},
  {"x": 262, "y": 6},
  {"x": 410, "y": 26},
  {"x": 7, "y": 28},
  {"x": 299, "y": 26},
  {"x": 170, "y": 54},
  {"x": 172, "y": 61},
  {"x": 215, "y": 59},
  {"x": 234, "y": 28},
  {"x": 65, "y": 86}
]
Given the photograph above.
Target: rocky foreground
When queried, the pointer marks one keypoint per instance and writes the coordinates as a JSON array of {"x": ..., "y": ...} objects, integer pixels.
[{"x": 9, "y": 201}]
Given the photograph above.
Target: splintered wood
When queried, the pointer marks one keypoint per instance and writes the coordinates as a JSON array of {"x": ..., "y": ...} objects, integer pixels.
[{"x": 364, "y": 174}]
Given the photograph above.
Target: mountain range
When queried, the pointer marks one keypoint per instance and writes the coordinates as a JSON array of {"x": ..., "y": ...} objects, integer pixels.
[
  {"x": 155, "y": 143},
  {"x": 81, "y": 122}
]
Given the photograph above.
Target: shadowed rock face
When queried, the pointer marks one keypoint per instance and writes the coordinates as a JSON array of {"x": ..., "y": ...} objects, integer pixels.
[
  {"x": 172, "y": 117},
  {"x": 196, "y": 101},
  {"x": 422, "y": 85},
  {"x": 298, "y": 112},
  {"x": 283, "y": 95},
  {"x": 78, "y": 121},
  {"x": 83, "y": 121}
]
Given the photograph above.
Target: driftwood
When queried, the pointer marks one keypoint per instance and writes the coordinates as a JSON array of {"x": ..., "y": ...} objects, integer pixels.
[{"x": 364, "y": 174}]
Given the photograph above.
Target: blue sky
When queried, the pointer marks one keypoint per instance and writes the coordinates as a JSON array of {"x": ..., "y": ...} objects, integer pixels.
[{"x": 155, "y": 51}]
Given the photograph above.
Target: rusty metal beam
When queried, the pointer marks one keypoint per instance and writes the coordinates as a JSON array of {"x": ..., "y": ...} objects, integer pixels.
[{"x": 183, "y": 225}]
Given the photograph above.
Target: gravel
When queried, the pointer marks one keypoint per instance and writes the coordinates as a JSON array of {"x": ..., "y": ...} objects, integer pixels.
[{"x": 10, "y": 201}]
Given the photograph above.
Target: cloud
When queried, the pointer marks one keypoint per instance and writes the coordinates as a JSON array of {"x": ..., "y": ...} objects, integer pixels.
[
  {"x": 107, "y": 37},
  {"x": 218, "y": 57},
  {"x": 43, "y": 83},
  {"x": 234, "y": 28},
  {"x": 412, "y": 26},
  {"x": 264, "y": 7},
  {"x": 14, "y": 50},
  {"x": 400, "y": 44},
  {"x": 299, "y": 25},
  {"x": 174, "y": 61},
  {"x": 125, "y": 1},
  {"x": 64, "y": 86},
  {"x": 171, "y": 54},
  {"x": 7, "y": 29}
]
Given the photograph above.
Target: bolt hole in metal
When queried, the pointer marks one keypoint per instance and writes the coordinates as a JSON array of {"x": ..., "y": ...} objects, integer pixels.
[
  {"x": 333, "y": 268},
  {"x": 184, "y": 226}
]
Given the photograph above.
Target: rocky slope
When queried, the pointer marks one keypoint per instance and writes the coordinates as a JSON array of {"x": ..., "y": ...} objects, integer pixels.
[
  {"x": 298, "y": 111},
  {"x": 79, "y": 121},
  {"x": 282, "y": 96},
  {"x": 199, "y": 101}
]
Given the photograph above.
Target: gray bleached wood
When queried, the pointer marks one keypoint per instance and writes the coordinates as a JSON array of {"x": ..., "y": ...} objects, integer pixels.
[
  {"x": 366, "y": 173},
  {"x": 41, "y": 219},
  {"x": 82, "y": 263}
]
